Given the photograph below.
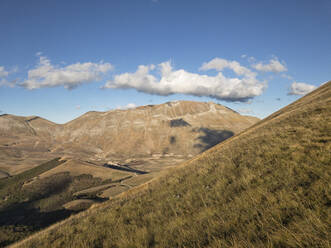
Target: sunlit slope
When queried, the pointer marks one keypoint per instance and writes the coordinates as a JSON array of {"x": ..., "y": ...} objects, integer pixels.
[
  {"x": 181, "y": 128},
  {"x": 266, "y": 187}
]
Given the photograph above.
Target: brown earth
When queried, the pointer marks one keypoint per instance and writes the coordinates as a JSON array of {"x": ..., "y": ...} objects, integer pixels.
[{"x": 172, "y": 130}]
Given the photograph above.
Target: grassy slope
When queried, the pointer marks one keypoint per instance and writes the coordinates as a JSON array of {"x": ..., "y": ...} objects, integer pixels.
[
  {"x": 266, "y": 187},
  {"x": 10, "y": 187},
  {"x": 26, "y": 208}
]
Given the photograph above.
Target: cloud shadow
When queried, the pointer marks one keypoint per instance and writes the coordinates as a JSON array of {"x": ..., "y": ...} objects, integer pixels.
[{"x": 211, "y": 137}]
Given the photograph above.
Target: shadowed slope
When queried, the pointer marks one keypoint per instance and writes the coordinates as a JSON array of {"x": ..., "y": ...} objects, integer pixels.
[{"x": 267, "y": 187}]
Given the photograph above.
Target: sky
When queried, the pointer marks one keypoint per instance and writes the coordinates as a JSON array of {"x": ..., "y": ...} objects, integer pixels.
[{"x": 60, "y": 59}]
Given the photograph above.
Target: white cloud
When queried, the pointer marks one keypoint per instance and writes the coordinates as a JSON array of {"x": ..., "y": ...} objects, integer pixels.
[
  {"x": 5, "y": 82},
  {"x": 182, "y": 82},
  {"x": 131, "y": 105},
  {"x": 274, "y": 65},
  {"x": 300, "y": 88},
  {"x": 47, "y": 75},
  {"x": 128, "y": 106},
  {"x": 220, "y": 64},
  {"x": 245, "y": 111},
  {"x": 3, "y": 72},
  {"x": 4, "y": 77},
  {"x": 289, "y": 77},
  {"x": 251, "y": 59}
]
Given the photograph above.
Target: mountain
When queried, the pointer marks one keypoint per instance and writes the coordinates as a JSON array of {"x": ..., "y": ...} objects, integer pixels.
[
  {"x": 24, "y": 142},
  {"x": 175, "y": 127},
  {"x": 180, "y": 128},
  {"x": 49, "y": 171},
  {"x": 268, "y": 186}
]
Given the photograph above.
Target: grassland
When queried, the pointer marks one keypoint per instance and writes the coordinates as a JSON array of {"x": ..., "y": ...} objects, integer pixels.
[
  {"x": 269, "y": 186},
  {"x": 31, "y": 201}
]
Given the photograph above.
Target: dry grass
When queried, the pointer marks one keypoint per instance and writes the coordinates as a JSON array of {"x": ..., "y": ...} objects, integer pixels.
[
  {"x": 76, "y": 168},
  {"x": 266, "y": 187}
]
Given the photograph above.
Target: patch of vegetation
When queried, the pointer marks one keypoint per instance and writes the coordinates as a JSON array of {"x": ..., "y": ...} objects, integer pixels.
[
  {"x": 270, "y": 186},
  {"x": 10, "y": 188},
  {"x": 29, "y": 205}
]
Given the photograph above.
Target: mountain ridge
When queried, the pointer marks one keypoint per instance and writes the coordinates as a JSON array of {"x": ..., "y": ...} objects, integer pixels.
[{"x": 118, "y": 134}]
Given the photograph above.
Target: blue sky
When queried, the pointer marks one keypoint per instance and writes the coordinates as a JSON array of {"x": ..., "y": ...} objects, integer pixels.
[{"x": 60, "y": 59}]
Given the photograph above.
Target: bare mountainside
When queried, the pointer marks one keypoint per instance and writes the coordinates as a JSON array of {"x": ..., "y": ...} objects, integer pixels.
[
  {"x": 180, "y": 128},
  {"x": 269, "y": 186},
  {"x": 49, "y": 171},
  {"x": 25, "y": 142}
]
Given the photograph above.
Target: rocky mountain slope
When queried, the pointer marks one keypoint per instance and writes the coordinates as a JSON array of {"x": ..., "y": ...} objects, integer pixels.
[
  {"x": 25, "y": 142},
  {"x": 175, "y": 128}
]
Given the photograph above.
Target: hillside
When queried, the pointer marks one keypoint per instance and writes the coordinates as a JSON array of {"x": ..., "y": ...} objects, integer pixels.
[
  {"x": 181, "y": 128},
  {"x": 25, "y": 142},
  {"x": 266, "y": 187}
]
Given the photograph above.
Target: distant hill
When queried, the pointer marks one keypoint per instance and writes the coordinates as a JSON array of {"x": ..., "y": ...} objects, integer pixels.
[
  {"x": 174, "y": 128},
  {"x": 269, "y": 186}
]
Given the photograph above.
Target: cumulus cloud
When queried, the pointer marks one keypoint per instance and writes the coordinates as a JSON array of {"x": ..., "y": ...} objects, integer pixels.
[
  {"x": 274, "y": 65},
  {"x": 241, "y": 88},
  {"x": 47, "y": 75},
  {"x": 4, "y": 77},
  {"x": 3, "y": 72},
  {"x": 7, "y": 83},
  {"x": 300, "y": 88},
  {"x": 128, "y": 106},
  {"x": 245, "y": 111},
  {"x": 219, "y": 64}
]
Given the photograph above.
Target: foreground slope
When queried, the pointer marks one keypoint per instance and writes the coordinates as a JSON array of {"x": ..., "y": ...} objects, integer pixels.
[{"x": 266, "y": 187}]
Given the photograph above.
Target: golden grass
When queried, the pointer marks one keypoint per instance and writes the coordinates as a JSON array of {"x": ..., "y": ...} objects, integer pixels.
[
  {"x": 76, "y": 168},
  {"x": 269, "y": 186}
]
